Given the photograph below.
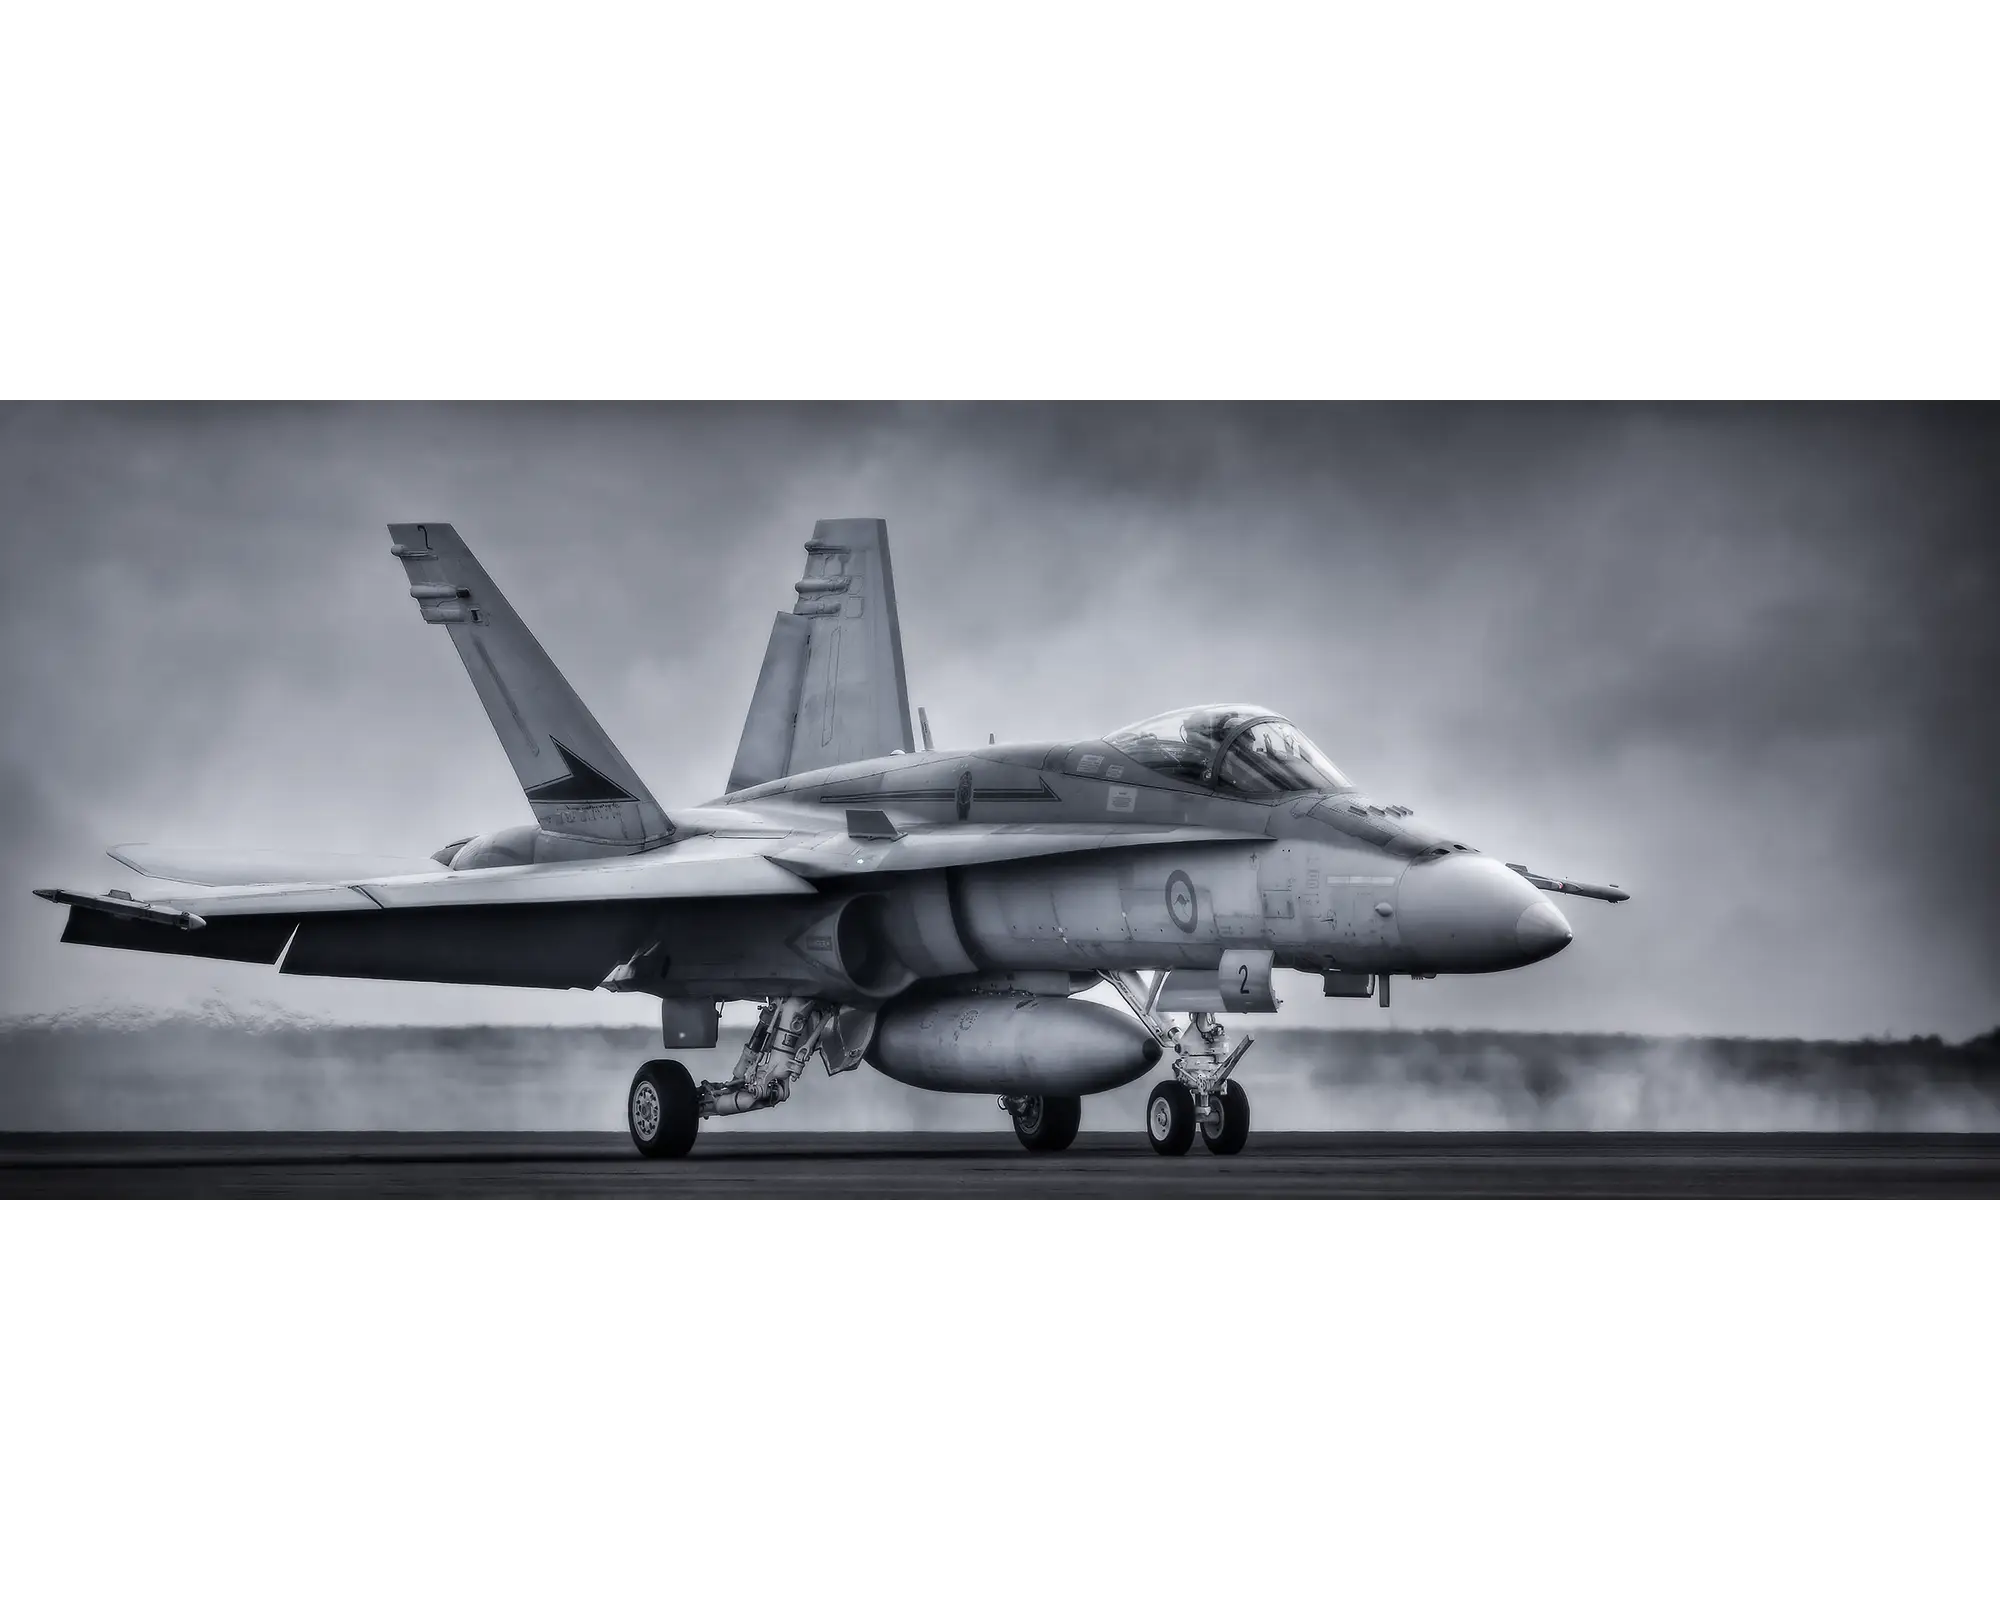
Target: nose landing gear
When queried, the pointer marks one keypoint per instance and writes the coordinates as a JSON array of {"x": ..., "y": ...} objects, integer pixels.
[
  {"x": 1227, "y": 1127},
  {"x": 1170, "y": 1118},
  {"x": 1173, "y": 1114},
  {"x": 1200, "y": 1095}
]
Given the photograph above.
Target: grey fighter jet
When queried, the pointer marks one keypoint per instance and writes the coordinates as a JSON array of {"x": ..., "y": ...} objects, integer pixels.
[{"x": 933, "y": 913}]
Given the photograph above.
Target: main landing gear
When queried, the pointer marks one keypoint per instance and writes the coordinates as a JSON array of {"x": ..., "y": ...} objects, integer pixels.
[
  {"x": 1044, "y": 1121},
  {"x": 1199, "y": 1097},
  {"x": 663, "y": 1109},
  {"x": 665, "y": 1106}
]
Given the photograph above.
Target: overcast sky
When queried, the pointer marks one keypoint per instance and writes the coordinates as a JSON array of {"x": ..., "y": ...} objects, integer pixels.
[{"x": 1739, "y": 659}]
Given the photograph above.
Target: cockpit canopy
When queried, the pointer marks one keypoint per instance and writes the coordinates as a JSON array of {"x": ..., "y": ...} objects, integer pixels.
[{"x": 1244, "y": 750}]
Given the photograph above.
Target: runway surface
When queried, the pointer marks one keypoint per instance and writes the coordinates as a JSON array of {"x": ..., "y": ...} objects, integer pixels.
[{"x": 966, "y": 1166}]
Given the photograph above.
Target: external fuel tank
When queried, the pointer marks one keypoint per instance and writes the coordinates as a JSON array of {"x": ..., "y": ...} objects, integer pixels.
[{"x": 1010, "y": 1043}]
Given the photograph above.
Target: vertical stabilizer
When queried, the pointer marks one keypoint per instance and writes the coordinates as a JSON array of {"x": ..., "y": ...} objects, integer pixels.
[
  {"x": 831, "y": 689},
  {"x": 574, "y": 777}
]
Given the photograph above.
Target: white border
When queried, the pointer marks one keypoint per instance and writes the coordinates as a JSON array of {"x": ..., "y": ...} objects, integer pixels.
[
  {"x": 904, "y": 201},
  {"x": 910, "y": 201},
  {"x": 985, "y": 1399}
]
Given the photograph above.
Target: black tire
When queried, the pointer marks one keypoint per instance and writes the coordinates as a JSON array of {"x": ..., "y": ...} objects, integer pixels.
[
  {"x": 1049, "y": 1121},
  {"x": 1170, "y": 1118},
  {"x": 671, "y": 1117},
  {"x": 1229, "y": 1138}
]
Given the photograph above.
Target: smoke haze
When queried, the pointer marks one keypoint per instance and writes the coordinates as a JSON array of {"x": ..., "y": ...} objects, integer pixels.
[
  {"x": 254, "y": 1074},
  {"x": 1739, "y": 659}
]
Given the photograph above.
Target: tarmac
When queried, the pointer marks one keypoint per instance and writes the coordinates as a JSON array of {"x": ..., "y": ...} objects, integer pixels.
[{"x": 826, "y": 1166}]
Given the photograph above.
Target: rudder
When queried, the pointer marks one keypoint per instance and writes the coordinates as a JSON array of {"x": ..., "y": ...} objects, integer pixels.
[{"x": 831, "y": 689}]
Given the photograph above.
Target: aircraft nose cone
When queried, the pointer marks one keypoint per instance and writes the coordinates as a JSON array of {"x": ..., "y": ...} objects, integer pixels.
[
  {"x": 1542, "y": 931},
  {"x": 1469, "y": 913}
]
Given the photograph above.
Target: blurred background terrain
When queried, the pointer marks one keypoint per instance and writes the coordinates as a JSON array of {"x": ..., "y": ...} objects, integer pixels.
[{"x": 215, "y": 1071}]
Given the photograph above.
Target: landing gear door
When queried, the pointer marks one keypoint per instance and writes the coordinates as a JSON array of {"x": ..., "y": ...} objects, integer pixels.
[
  {"x": 1246, "y": 981},
  {"x": 1241, "y": 983}
]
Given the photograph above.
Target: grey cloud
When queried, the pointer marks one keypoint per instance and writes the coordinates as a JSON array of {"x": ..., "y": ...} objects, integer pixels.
[{"x": 1738, "y": 658}]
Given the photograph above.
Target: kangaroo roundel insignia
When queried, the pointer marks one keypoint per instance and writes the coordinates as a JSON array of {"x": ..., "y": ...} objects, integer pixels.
[{"x": 1180, "y": 901}]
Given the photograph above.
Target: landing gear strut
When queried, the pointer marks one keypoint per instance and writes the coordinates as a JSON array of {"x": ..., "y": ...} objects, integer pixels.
[
  {"x": 1200, "y": 1095},
  {"x": 665, "y": 1105}
]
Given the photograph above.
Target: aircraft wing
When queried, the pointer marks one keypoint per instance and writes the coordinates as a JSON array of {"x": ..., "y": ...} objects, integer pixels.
[
  {"x": 968, "y": 844},
  {"x": 684, "y": 873},
  {"x": 555, "y": 925},
  {"x": 551, "y": 926}
]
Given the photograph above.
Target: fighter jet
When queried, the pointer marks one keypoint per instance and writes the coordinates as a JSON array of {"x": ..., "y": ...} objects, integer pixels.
[{"x": 932, "y": 913}]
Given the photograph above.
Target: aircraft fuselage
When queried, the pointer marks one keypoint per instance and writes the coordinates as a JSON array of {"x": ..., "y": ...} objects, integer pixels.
[{"x": 1330, "y": 880}]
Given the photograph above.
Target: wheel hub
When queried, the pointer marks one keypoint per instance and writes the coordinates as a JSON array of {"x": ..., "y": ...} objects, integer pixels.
[
  {"x": 646, "y": 1111},
  {"x": 1162, "y": 1117}
]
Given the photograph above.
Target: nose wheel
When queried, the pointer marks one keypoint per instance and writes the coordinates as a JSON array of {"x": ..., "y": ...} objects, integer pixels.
[
  {"x": 1173, "y": 1116},
  {"x": 1201, "y": 1094},
  {"x": 1170, "y": 1118},
  {"x": 1227, "y": 1126}
]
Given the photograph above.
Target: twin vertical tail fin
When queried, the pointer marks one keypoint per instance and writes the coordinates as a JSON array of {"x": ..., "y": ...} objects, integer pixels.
[
  {"x": 831, "y": 689},
  {"x": 578, "y": 784}
]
